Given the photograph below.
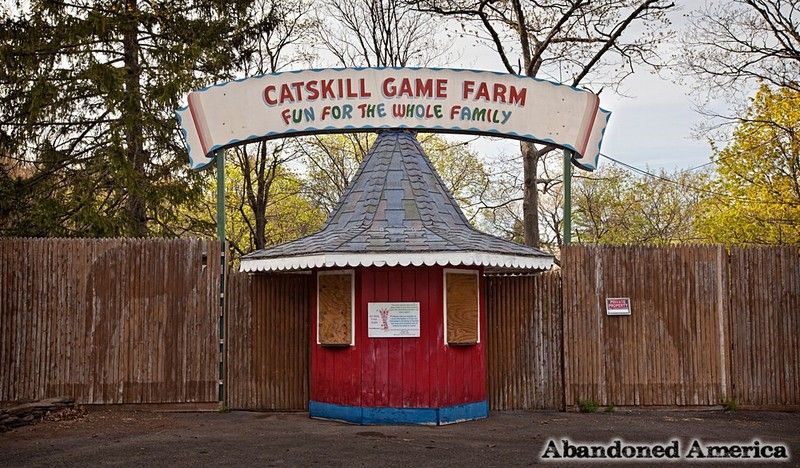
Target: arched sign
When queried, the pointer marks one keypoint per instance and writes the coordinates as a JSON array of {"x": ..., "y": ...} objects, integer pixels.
[{"x": 363, "y": 99}]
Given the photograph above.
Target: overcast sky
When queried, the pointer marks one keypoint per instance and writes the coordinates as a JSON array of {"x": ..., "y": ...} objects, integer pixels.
[{"x": 651, "y": 127}]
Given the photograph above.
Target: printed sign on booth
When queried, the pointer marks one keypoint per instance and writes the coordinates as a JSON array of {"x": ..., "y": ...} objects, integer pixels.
[{"x": 393, "y": 319}]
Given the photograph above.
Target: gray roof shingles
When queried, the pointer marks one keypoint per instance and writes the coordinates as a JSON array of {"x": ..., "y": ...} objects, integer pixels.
[{"x": 396, "y": 202}]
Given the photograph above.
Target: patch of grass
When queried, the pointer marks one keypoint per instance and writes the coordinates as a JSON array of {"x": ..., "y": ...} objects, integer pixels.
[
  {"x": 610, "y": 408},
  {"x": 730, "y": 404},
  {"x": 587, "y": 405}
]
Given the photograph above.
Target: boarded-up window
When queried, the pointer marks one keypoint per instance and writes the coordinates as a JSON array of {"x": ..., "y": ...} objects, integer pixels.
[
  {"x": 335, "y": 308},
  {"x": 461, "y": 307}
]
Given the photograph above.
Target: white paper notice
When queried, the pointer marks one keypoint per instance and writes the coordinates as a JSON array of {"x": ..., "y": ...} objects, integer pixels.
[{"x": 393, "y": 319}]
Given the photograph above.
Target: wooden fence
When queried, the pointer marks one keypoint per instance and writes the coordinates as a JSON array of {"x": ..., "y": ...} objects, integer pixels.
[
  {"x": 671, "y": 350},
  {"x": 109, "y": 321},
  {"x": 267, "y": 341},
  {"x": 765, "y": 326},
  {"x": 524, "y": 341},
  {"x": 136, "y": 321},
  {"x": 707, "y": 325}
]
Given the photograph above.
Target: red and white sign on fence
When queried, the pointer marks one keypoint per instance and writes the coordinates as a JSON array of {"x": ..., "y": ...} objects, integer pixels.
[{"x": 618, "y": 306}]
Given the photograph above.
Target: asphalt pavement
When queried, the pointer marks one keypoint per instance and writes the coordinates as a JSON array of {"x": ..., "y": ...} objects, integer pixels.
[{"x": 104, "y": 436}]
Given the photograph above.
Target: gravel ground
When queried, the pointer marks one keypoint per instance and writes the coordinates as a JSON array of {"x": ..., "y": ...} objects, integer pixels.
[{"x": 124, "y": 437}]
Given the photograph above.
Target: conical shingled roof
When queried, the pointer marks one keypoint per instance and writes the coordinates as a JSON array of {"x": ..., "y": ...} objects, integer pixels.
[{"x": 396, "y": 211}]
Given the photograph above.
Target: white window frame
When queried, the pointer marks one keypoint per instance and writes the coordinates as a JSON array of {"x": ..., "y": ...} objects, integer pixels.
[
  {"x": 477, "y": 273},
  {"x": 352, "y": 302}
]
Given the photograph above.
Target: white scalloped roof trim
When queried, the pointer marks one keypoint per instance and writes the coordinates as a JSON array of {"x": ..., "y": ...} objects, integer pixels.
[{"x": 485, "y": 259}]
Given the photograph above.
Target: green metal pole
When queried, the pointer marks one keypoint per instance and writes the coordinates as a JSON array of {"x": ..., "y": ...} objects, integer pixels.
[
  {"x": 567, "y": 197},
  {"x": 223, "y": 267}
]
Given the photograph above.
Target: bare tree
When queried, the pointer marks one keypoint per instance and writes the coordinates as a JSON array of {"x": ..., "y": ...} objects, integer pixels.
[
  {"x": 578, "y": 42},
  {"x": 744, "y": 42},
  {"x": 359, "y": 33},
  {"x": 377, "y": 33},
  {"x": 731, "y": 49},
  {"x": 261, "y": 162},
  {"x": 331, "y": 161}
]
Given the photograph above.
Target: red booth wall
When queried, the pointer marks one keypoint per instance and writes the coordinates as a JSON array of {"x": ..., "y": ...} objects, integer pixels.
[{"x": 399, "y": 372}]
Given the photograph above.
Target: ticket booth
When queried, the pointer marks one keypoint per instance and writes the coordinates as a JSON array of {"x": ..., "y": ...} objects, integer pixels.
[{"x": 398, "y": 309}]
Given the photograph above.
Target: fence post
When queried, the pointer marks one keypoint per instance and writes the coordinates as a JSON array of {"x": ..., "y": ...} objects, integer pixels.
[
  {"x": 222, "y": 268},
  {"x": 567, "y": 197},
  {"x": 723, "y": 296}
]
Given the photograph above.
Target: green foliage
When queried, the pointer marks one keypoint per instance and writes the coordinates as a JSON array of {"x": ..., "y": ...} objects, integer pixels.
[
  {"x": 330, "y": 163},
  {"x": 756, "y": 194},
  {"x": 730, "y": 404},
  {"x": 462, "y": 171},
  {"x": 289, "y": 213},
  {"x": 588, "y": 405},
  {"x": 615, "y": 206},
  {"x": 88, "y": 91},
  {"x": 609, "y": 408}
]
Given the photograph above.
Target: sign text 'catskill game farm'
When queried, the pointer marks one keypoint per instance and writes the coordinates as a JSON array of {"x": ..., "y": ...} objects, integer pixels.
[{"x": 335, "y": 100}]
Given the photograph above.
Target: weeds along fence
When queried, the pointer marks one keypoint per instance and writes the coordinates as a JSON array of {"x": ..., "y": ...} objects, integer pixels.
[{"x": 137, "y": 321}]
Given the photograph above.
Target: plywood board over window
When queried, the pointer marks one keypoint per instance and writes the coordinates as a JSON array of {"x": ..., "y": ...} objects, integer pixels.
[
  {"x": 461, "y": 299},
  {"x": 335, "y": 324}
]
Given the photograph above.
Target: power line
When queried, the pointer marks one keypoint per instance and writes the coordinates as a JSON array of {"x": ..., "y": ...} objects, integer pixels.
[
  {"x": 692, "y": 187},
  {"x": 723, "y": 157},
  {"x": 700, "y": 166},
  {"x": 649, "y": 174}
]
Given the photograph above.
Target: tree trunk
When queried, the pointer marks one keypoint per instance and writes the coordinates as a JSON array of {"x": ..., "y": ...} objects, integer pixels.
[
  {"x": 132, "y": 116},
  {"x": 530, "y": 194},
  {"x": 260, "y": 211},
  {"x": 257, "y": 184},
  {"x": 530, "y": 157}
]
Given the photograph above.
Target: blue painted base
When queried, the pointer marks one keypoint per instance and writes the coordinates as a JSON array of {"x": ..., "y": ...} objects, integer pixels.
[{"x": 381, "y": 415}]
